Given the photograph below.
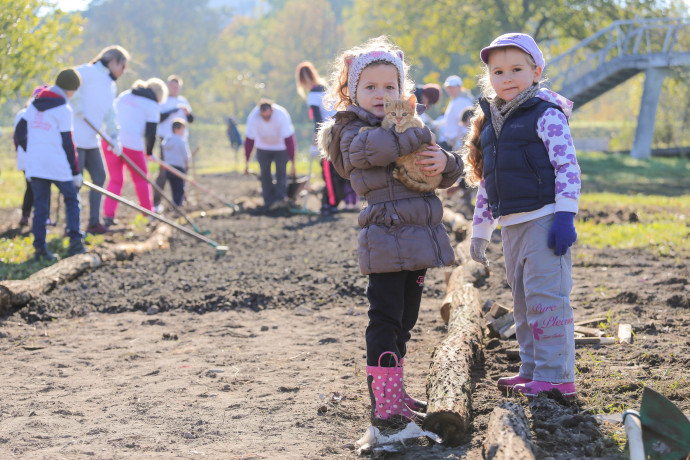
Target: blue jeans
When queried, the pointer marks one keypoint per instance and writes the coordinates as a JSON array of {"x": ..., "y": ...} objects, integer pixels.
[
  {"x": 273, "y": 192},
  {"x": 41, "y": 190},
  {"x": 91, "y": 160},
  {"x": 176, "y": 184}
]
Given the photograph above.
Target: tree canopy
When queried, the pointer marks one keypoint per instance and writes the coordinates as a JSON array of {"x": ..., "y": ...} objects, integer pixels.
[
  {"x": 35, "y": 41},
  {"x": 229, "y": 60}
]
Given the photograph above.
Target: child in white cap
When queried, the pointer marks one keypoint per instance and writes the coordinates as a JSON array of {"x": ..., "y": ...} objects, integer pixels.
[{"x": 520, "y": 153}]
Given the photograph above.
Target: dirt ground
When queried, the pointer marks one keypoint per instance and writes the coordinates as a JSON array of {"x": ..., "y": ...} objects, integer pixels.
[{"x": 260, "y": 353}]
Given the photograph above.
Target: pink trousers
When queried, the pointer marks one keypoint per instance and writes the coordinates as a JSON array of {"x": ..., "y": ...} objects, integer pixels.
[{"x": 116, "y": 178}]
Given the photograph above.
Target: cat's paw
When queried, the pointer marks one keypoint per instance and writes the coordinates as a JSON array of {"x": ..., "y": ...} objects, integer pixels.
[{"x": 365, "y": 128}]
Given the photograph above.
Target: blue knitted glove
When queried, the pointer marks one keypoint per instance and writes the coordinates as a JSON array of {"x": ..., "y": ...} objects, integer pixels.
[{"x": 562, "y": 234}]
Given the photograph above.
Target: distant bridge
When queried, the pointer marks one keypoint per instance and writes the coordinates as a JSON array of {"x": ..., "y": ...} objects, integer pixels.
[{"x": 618, "y": 52}]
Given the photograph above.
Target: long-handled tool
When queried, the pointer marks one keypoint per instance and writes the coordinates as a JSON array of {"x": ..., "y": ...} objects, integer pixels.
[
  {"x": 146, "y": 178},
  {"x": 194, "y": 176},
  {"x": 185, "y": 177},
  {"x": 220, "y": 249}
]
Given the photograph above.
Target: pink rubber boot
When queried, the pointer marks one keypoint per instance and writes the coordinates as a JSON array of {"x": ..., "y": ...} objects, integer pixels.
[
  {"x": 386, "y": 393},
  {"x": 414, "y": 404},
  {"x": 533, "y": 388},
  {"x": 507, "y": 383}
]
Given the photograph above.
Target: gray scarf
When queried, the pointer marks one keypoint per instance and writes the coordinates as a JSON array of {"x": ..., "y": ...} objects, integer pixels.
[{"x": 501, "y": 110}]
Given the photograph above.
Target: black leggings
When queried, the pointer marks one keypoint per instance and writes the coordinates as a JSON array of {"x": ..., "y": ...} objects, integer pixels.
[{"x": 394, "y": 300}]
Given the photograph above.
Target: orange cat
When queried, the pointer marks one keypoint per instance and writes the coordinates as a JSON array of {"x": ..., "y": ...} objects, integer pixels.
[{"x": 402, "y": 114}]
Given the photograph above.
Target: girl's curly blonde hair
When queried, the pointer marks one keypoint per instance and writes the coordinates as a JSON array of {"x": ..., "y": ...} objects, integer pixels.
[{"x": 337, "y": 96}]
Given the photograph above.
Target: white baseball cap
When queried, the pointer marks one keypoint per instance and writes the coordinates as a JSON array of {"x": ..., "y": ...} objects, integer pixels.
[{"x": 453, "y": 80}]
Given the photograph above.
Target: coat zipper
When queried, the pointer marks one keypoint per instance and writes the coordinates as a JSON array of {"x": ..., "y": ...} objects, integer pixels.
[{"x": 535, "y": 171}]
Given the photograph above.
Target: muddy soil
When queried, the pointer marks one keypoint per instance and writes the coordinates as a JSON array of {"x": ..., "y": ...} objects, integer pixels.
[{"x": 260, "y": 354}]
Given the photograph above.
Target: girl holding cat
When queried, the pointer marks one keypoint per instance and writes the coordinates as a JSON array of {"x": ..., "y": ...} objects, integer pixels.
[
  {"x": 401, "y": 231},
  {"x": 520, "y": 153}
]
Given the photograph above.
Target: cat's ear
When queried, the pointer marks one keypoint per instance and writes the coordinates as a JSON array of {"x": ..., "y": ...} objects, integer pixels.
[
  {"x": 387, "y": 101},
  {"x": 412, "y": 101}
]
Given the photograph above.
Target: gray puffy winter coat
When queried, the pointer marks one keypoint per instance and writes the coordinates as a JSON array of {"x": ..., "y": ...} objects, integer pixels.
[{"x": 400, "y": 229}]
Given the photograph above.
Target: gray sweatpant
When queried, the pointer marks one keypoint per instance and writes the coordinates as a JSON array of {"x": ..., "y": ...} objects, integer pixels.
[
  {"x": 91, "y": 160},
  {"x": 541, "y": 283}
]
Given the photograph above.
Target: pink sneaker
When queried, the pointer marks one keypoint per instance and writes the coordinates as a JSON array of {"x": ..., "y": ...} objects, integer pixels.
[
  {"x": 507, "y": 383},
  {"x": 533, "y": 388}
]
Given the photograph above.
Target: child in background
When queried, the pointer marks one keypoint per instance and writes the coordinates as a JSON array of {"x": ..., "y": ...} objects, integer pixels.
[
  {"x": 177, "y": 154},
  {"x": 45, "y": 133},
  {"x": 401, "y": 231},
  {"x": 529, "y": 182},
  {"x": 28, "y": 200}
]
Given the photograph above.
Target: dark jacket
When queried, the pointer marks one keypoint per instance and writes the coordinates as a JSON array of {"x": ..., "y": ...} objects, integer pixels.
[
  {"x": 400, "y": 229},
  {"x": 518, "y": 174}
]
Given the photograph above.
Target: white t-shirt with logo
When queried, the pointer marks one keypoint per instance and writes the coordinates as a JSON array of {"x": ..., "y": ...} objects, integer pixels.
[
  {"x": 94, "y": 98},
  {"x": 271, "y": 134},
  {"x": 133, "y": 112},
  {"x": 45, "y": 156},
  {"x": 165, "y": 126}
]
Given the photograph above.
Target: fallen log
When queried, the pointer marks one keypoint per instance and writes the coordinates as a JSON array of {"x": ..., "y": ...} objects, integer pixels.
[
  {"x": 468, "y": 271},
  {"x": 449, "y": 381},
  {"x": 508, "y": 436}
]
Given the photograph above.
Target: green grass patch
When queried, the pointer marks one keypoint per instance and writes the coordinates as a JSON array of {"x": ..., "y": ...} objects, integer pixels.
[
  {"x": 663, "y": 238},
  {"x": 17, "y": 254},
  {"x": 622, "y": 174},
  {"x": 652, "y": 222}
]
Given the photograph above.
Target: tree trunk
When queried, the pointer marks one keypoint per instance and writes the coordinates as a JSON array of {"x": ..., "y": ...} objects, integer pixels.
[
  {"x": 449, "y": 382},
  {"x": 468, "y": 271},
  {"x": 508, "y": 435}
]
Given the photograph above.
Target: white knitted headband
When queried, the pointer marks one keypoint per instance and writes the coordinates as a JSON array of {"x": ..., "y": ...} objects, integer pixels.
[{"x": 359, "y": 63}]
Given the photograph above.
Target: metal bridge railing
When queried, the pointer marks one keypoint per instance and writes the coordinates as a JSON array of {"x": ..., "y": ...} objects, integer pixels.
[{"x": 622, "y": 39}]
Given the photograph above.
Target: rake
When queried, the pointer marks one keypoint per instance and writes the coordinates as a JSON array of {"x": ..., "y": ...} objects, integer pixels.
[
  {"x": 220, "y": 249},
  {"x": 146, "y": 178}
]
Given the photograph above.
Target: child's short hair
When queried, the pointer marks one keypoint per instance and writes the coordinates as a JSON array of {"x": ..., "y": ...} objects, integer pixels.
[
  {"x": 349, "y": 65},
  {"x": 178, "y": 123}
]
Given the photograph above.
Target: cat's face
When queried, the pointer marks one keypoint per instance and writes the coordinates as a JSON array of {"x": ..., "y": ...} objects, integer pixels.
[{"x": 399, "y": 111}]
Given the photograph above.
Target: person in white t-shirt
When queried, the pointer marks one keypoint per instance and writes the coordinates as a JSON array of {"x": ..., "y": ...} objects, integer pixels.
[
  {"x": 137, "y": 115},
  {"x": 45, "y": 133},
  {"x": 175, "y": 106},
  {"x": 452, "y": 131},
  {"x": 269, "y": 126},
  {"x": 28, "y": 201},
  {"x": 94, "y": 102}
]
